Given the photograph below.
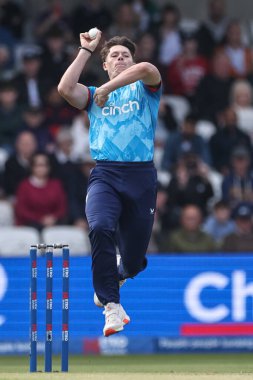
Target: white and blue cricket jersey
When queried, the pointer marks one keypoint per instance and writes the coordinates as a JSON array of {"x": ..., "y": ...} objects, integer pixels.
[{"x": 124, "y": 129}]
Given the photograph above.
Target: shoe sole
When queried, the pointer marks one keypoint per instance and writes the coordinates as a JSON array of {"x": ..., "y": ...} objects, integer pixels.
[
  {"x": 111, "y": 331},
  {"x": 126, "y": 320}
]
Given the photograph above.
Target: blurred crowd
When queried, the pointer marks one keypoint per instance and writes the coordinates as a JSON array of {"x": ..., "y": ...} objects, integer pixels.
[{"x": 204, "y": 132}]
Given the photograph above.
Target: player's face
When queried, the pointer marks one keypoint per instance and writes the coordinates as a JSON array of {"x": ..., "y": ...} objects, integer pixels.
[{"x": 118, "y": 59}]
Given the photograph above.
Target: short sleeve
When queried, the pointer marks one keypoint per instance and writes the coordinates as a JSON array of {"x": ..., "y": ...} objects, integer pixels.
[{"x": 91, "y": 91}]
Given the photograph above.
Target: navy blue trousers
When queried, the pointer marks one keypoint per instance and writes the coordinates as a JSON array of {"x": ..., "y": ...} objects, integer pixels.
[{"x": 120, "y": 206}]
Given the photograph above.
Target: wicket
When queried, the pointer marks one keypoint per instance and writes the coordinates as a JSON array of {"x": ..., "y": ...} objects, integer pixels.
[{"x": 49, "y": 249}]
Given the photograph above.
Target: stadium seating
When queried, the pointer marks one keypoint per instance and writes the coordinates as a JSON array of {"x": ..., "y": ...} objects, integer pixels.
[
  {"x": 6, "y": 214},
  {"x": 205, "y": 129},
  {"x": 3, "y": 158},
  {"x": 189, "y": 25},
  {"x": 76, "y": 237},
  {"x": 180, "y": 106},
  {"x": 16, "y": 241}
]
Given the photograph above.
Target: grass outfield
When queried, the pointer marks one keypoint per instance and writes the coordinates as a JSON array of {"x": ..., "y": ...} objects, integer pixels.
[{"x": 137, "y": 367}]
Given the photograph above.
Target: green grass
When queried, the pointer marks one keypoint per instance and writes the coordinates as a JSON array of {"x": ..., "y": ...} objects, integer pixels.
[
  {"x": 221, "y": 363},
  {"x": 206, "y": 366}
]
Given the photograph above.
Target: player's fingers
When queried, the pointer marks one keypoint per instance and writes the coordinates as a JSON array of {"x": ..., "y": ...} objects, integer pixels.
[
  {"x": 98, "y": 36},
  {"x": 97, "y": 97},
  {"x": 100, "y": 100},
  {"x": 97, "y": 100},
  {"x": 106, "y": 98},
  {"x": 85, "y": 34},
  {"x": 85, "y": 37}
]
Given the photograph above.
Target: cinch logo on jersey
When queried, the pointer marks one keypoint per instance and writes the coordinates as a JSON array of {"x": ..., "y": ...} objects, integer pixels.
[{"x": 125, "y": 108}]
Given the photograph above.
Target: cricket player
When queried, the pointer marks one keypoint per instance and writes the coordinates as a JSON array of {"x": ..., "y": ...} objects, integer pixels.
[{"x": 121, "y": 196}]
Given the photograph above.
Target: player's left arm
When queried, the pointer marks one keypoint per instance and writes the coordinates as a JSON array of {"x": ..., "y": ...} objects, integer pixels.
[{"x": 144, "y": 71}]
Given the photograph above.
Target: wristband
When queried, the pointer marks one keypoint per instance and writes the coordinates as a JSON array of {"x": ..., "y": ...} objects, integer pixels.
[{"x": 84, "y": 48}]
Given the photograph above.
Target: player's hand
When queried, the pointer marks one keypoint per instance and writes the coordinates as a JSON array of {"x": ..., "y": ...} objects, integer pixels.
[
  {"x": 101, "y": 96},
  {"x": 87, "y": 42}
]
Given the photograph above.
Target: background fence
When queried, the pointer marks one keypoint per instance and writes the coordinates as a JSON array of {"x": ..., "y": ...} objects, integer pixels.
[{"x": 180, "y": 303}]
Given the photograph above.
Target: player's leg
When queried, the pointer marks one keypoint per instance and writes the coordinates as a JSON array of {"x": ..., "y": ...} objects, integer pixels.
[
  {"x": 136, "y": 222},
  {"x": 134, "y": 240},
  {"x": 103, "y": 208}
]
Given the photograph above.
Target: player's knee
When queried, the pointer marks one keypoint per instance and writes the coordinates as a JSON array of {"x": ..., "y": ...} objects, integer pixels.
[
  {"x": 132, "y": 271},
  {"x": 101, "y": 228},
  {"x": 133, "y": 268}
]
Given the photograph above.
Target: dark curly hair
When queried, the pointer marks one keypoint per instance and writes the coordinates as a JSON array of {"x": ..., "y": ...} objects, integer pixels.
[{"x": 124, "y": 41}]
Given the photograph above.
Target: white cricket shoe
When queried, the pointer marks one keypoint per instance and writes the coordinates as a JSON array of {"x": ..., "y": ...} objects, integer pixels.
[
  {"x": 115, "y": 318},
  {"x": 95, "y": 297}
]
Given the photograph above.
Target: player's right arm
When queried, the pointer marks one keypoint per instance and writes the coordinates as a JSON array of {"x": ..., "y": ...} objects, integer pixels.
[{"x": 75, "y": 93}]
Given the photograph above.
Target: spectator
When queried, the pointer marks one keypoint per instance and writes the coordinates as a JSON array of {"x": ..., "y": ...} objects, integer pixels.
[
  {"x": 239, "y": 55},
  {"x": 80, "y": 135},
  {"x": 219, "y": 224},
  {"x": 93, "y": 75},
  {"x": 3, "y": 158},
  {"x": 66, "y": 169},
  {"x": 10, "y": 115},
  {"x": 41, "y": 200},
  {"x": 237, "y": 186},
  {"x": 7, "y": 40},
  {"x": 242, "y": 239},
  {"x": 212, "y": 94},
  {"x": 189, "y": 185},
  {"x": 189, "y": 237},
  {"x": 241, "y": 100},
  {"x": 73, "y": 175},
  {"x": 55, "y": 57},
  {"x": 249, "y": 78},
  {"x": 12, "y": 18},
  {"x": 201, "y": 187},
  {"x": 4, "y": 61},
  {"x": 17, "y": 167},
  {"x": 212, "y": 32},
  {"x": 185, "y": 141},
  {"x": 146, "y": 11},
  {"x": 125, "y": 22},
  {"x": 226, "y": 139},
  {"x": 64, "y": 146},
  {"x": 166, "y": 123},
  {"x": 51, "y": 16},
  {"x": 163, "y": 221},
  {"x": 34, "y": 122},
  {"x": 30, "y": 84},
  {"x": 187, "y": 69},
  {"x": 169, "y": 35},
  {"x": 146, "y": 49},
  {"x": 57, "y": 112},
  {"x": 90, "y": 13},
  {"x": 80, "y": 192},
  {"x": 166, "y": 117}
]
